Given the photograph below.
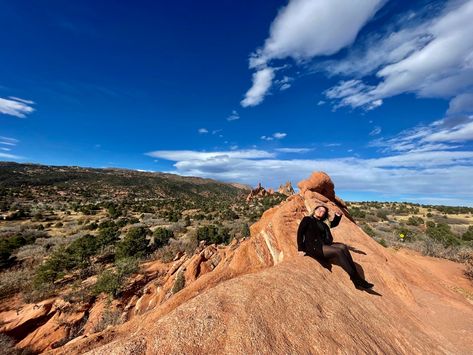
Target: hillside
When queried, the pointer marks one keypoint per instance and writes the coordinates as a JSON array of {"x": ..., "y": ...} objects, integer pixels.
[
  {"x": 262, "y": 297},
  {"x": 108, "y": 183}
]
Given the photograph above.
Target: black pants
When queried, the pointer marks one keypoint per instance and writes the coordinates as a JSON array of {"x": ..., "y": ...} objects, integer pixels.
[{"x": 342, "y": 254}]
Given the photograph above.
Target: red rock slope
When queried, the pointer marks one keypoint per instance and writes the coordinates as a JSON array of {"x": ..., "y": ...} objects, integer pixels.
[{"x": 263, "y": 298}]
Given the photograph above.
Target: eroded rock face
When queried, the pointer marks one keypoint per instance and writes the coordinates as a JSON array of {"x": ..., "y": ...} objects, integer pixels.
[
  {"x": 259, "y": 191},
  {"x": 284, "y": 303},
  {"x": 259, "y": 296},
  {"x": 318, "y": 182},
  {"x": 286, "y": 189}
]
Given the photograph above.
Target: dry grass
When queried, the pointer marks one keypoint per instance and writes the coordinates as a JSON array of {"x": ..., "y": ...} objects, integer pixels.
[{"x": 14, "y": 281}]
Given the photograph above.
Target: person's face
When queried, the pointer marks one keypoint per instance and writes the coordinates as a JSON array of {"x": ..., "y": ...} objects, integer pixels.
[{"x": 319, "y": 212}]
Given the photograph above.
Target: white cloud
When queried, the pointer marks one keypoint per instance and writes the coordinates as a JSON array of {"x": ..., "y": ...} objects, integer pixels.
[
  {"x": 262, "y": 81},
  {"x": 234, "y": 116},
  {"x": 308, "y": 28},
  {"x": 444, "y": 134},
  {"x": 8, "y": 141},
  {"x": 14, "y": 106},
  {"x": 424, "y": 174},
  {"x": 279, "y": 135},
  {"x": 305, "y": 29},
  {"x": 28, "y": 102},
  {"x": 9, "y": 156},
  {"x": 293, "y": 150},
  {"x": 433, "y": 58},
  {"x": 284, "y": 83},
  {"x": 376, "y": 130},
  {"x": 203, "y": 130},
  {"x": 462, "y": 103},
  {"x": 460, "y": 133},
  {"x": 191, "y": 154}
]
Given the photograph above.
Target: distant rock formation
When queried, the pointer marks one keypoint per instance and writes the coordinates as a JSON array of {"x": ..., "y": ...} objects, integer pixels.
[{"x": 286, "y": 189}]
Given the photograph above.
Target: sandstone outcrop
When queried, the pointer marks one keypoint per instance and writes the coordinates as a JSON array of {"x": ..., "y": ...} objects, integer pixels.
[
  {"x": 258, "y": 295},
  {"x": 286, "y": 189},
  {"x": 259, "y": 191},
  {"x": 262, "y": 297}
]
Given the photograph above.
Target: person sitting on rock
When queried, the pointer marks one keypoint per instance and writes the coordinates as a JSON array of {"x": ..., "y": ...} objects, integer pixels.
[{"x": 314, "y": 239}]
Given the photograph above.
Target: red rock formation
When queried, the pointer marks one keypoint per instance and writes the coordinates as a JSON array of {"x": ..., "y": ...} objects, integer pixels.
[
  {"x": 318, "y": 182},
  {"x": 262, "y": 297},
  {"x": 259, "y": 191},
  {"x": 286, "y": 189}
]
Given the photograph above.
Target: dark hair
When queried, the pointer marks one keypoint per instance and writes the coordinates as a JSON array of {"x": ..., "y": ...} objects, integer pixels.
[{"x": 325, "y": 216}]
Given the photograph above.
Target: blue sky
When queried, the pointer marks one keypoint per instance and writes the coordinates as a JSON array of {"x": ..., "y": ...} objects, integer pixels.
[{"x": 378, "y": 94}]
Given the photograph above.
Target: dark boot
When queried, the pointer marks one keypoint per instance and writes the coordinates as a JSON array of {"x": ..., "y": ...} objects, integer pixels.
[{"x": 359, "y": 282}]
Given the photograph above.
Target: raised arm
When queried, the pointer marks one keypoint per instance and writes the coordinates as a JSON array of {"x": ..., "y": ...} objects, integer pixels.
[
  {"x": 300, "y": 234},
  {"x": 336, "y": 220}
]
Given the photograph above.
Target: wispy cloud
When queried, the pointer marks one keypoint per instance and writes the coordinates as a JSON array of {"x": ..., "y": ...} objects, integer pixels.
[
  {"x": 284, "y": 83},
  {"x": 303, "y": 30},
  {"x": 442, "y": 134},
  {"x": 15, "y": 106},
  {"x": 8, "y": 141},
  {"x": 262, "y": 81},
  {"x": 10, "y": 156},
  {"x": 234, "y": 116},
  {"x": 203, "y": 130},
  {"x": 192, "y": 154},
  {"x": 293, "y": 150},
  {"x": 431, "y": 58},
  {"x": 277, "y": 135},
  {"x": 425, "y": 174},
  {"x": 376, "y": 130}
]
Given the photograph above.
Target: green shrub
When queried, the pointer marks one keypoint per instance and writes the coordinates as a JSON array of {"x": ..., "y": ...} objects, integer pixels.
[
  {"x": 213, "y": 234},
  {"x": 161, "y": 236},
  {"x": 245, "y": 230},
  {"x": 111, "y": 281},
  {"x": 356, "y": 212},
  {"x": 415, "y": 221},
  {"x": 179, "y": 283},
  {"x": 408, "y": 234},
  {"x": 107, "y": 236},
  {"x": 134, "y": 244},
  {"x": 383, "y": 214},
  {"x": 53, "y": 268},
  {"x": 368, "y": 230},
  {"x": 114, "y": 212},
  {"x": 108, "y": 283},
  {"x": 468, "y": 235},
  {"x": 76, "y": 254},
  {"x": 442, "y": 233},
  {"x": 10, "y": 244},
  {"x": 383, "y": 242}
]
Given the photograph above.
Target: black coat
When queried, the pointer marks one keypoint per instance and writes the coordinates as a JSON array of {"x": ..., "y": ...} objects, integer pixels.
[{"x": 313, "y": 233}]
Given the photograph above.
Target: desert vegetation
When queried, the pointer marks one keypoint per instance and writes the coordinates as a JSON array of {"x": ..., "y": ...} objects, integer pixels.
[
  {"x": 439, "y": 231},
  {"x": 61, "y": 227}
]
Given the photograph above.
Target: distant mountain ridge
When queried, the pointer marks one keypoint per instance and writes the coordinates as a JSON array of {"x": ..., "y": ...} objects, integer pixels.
[{"x": 96, "y": 181}]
